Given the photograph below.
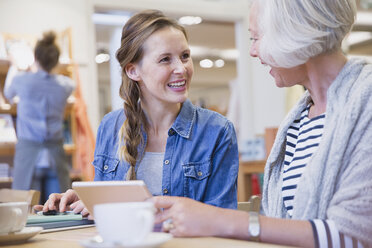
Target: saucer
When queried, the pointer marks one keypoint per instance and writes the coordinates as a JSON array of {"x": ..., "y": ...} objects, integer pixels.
[
  {"x": 21, "y": 236},
  {"x": 154, "y": 239}
]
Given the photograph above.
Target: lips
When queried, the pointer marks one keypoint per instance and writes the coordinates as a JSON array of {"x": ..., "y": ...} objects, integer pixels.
[{"x": 178, "y": 84}]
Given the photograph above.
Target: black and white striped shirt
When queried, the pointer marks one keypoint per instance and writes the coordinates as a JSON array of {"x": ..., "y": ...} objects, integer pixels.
[{"x": 303, "y": 138}]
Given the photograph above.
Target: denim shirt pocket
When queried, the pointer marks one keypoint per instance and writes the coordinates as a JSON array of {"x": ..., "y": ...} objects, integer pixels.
[
  {"x": 196, "y": 176},
  {"x": 105, "y": 167}
]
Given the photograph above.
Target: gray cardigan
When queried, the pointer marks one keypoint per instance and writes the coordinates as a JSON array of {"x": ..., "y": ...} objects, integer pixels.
[{"x": 337, "y": 181}]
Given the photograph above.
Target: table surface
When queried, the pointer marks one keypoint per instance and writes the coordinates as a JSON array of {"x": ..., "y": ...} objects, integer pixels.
[{"x": 72, "y": 239}]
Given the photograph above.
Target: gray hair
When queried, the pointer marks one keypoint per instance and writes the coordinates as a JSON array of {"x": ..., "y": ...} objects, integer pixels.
[{"x": 292, "y": 31}]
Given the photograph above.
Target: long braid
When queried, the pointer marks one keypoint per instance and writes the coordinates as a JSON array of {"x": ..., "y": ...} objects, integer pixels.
[{"x": 130, "y": 132}]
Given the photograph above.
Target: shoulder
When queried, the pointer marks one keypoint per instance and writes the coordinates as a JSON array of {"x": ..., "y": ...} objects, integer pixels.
[
  {"x": 365, "y": 75},
  {"x": 212, "y": 121},
  {"x": 113, "y": 117},
  {"x": 362, "y": 87},
  {"x": 109, "y": 127},
  {"x": 65, "y": 82},
  {"x": 22, "y": 76},
  {"x": 211, "y": 117}
]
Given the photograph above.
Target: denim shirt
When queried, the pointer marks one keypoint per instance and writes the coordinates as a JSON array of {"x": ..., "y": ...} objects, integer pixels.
[{"x": 201, "y": 158}]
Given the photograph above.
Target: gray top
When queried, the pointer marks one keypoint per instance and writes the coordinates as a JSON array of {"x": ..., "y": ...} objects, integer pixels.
[
  {"x": 336, "y": 183},
  {"x": 150, "y": 170}
]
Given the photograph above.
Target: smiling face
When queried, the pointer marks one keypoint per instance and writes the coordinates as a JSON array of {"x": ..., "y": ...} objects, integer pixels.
[
  {"x": 284, "y": 77},
  {"x": 164, "y": 73}
]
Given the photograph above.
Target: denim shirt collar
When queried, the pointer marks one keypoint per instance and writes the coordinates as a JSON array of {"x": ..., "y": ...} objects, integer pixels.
[{"x": 185, "y": 120}]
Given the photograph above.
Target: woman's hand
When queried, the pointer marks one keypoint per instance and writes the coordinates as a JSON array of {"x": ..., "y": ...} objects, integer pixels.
[
  {"x": 192, "y": 218},
  {"x": 63, "y": 202}
]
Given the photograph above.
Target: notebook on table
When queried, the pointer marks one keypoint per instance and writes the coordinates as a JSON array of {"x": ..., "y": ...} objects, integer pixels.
[{"x": 58, "y": 222}]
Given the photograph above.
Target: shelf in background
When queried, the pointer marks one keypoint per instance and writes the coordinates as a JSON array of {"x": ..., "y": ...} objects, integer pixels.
[
  {"x": 246, "y": 169},
  {"x": 9, "y": 149},
  {"x": 4, "y": 66}
]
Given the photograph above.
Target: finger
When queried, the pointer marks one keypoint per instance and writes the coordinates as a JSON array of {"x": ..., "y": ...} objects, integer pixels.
[
  {"x": 38, "y": 208},
  {"x": 51, "y": 203},
  {"x": 173, "y": 232},
  {"x": 85, "y": 212},
  {"x": 65, "y": 200},
  {"x": 162, "y": 216},
  {"x": 46, "y": 206},
  {"x": 164, "y": 201},
  {"x": 78, "y": 207}
]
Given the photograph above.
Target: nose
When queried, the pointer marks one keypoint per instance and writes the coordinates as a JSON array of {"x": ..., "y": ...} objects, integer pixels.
[
  {"x": 179, "y": 67},
  {"x": 253, "y": 50}
]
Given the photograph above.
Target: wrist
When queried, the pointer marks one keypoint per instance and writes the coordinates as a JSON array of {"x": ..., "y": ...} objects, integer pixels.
[
  {"x": 254, "y": 228},
  {"x": 233, "y": 224}
]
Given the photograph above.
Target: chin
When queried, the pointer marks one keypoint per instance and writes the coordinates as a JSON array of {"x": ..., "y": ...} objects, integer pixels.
[{"x": 280, "y": 84}]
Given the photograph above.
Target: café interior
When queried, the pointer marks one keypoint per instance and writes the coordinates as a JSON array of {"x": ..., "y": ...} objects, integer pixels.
[{"x": 226, "y": 80}]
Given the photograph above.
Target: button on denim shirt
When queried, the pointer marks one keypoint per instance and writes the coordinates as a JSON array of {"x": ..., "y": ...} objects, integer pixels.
[{"x": 201, "y": 158}]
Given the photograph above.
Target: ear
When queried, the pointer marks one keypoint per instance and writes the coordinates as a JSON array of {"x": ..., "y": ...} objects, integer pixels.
[{"x": 132, "y": 72}]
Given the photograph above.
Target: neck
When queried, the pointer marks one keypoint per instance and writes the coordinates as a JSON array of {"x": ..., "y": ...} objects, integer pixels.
[
  {"x": 160, "y": 117},
  {"x": 322, "y": 71}
]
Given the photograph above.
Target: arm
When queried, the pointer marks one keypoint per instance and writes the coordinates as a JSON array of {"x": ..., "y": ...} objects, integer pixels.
[
  {"x": 192, "y": 218},
  {"x": 9, "y": 91}
]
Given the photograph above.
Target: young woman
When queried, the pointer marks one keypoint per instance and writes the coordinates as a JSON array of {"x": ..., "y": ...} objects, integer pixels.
[
  {"x": 40, "y": 162},
  {"x": 160, "y": 137},
  {"x": 317, "y": 186}
]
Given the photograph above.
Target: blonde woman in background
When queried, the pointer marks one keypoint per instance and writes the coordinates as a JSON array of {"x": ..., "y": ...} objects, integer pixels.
[
  {"x": 160, "y": 137},
  {"x": 317, "y": 184},
  {"x": 40, "y": 162}
]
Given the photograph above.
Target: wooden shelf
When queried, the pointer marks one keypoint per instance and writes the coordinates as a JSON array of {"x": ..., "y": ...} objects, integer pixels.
[
  {"x": 246, "y": 169},
  {"x": 9, "y": 149},
  {"x": 4, "y": 66}
]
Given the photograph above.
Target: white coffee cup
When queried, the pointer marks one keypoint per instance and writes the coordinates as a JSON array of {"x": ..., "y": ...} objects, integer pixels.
[
  {"x": 13, "y": 216},
  {"x": 127, "y": 223}
]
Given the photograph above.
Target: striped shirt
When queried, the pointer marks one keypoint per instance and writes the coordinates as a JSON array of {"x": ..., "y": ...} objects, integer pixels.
[{"x": 303, "y": 138}]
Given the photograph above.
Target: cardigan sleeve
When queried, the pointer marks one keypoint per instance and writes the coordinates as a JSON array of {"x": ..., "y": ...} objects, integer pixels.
[{"x": 326, "y": 235}]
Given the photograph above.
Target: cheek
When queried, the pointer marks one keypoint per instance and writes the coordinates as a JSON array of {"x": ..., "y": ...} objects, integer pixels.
[{"x": 190, "y": 69}]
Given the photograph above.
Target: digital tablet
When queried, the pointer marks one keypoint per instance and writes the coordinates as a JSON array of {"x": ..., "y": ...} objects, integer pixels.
[{"x": 97, "y": 192}]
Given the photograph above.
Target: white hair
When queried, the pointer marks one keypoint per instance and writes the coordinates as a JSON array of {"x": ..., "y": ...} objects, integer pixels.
[{"x": 292, "y": 31}]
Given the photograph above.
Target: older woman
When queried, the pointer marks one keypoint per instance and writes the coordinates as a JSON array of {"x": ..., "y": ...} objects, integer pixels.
[{"x": 317, "y": 187}]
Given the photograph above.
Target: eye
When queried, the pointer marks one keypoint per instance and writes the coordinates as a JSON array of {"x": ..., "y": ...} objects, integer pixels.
[
  {"x": 164, "y": 60},
  {"x": 185, "y": 56},
  {"x": 253, "y": 39}
]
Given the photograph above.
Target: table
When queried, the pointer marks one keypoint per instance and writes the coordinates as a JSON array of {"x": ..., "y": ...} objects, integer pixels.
[
  {"x": 5, "y": 182},
  {"x": 71, "y": 239}
]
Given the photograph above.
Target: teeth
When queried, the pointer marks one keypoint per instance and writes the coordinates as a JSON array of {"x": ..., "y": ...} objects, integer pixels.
[{"x": 177, "y": 85}]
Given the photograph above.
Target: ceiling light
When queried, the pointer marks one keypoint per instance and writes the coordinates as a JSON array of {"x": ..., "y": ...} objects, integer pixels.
[
  {"x": 206, "y": 63},
  {"x": 219, "y": 63},
  {"x": 190, "y": 20},
  {"x": 102, "y": 57}
]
